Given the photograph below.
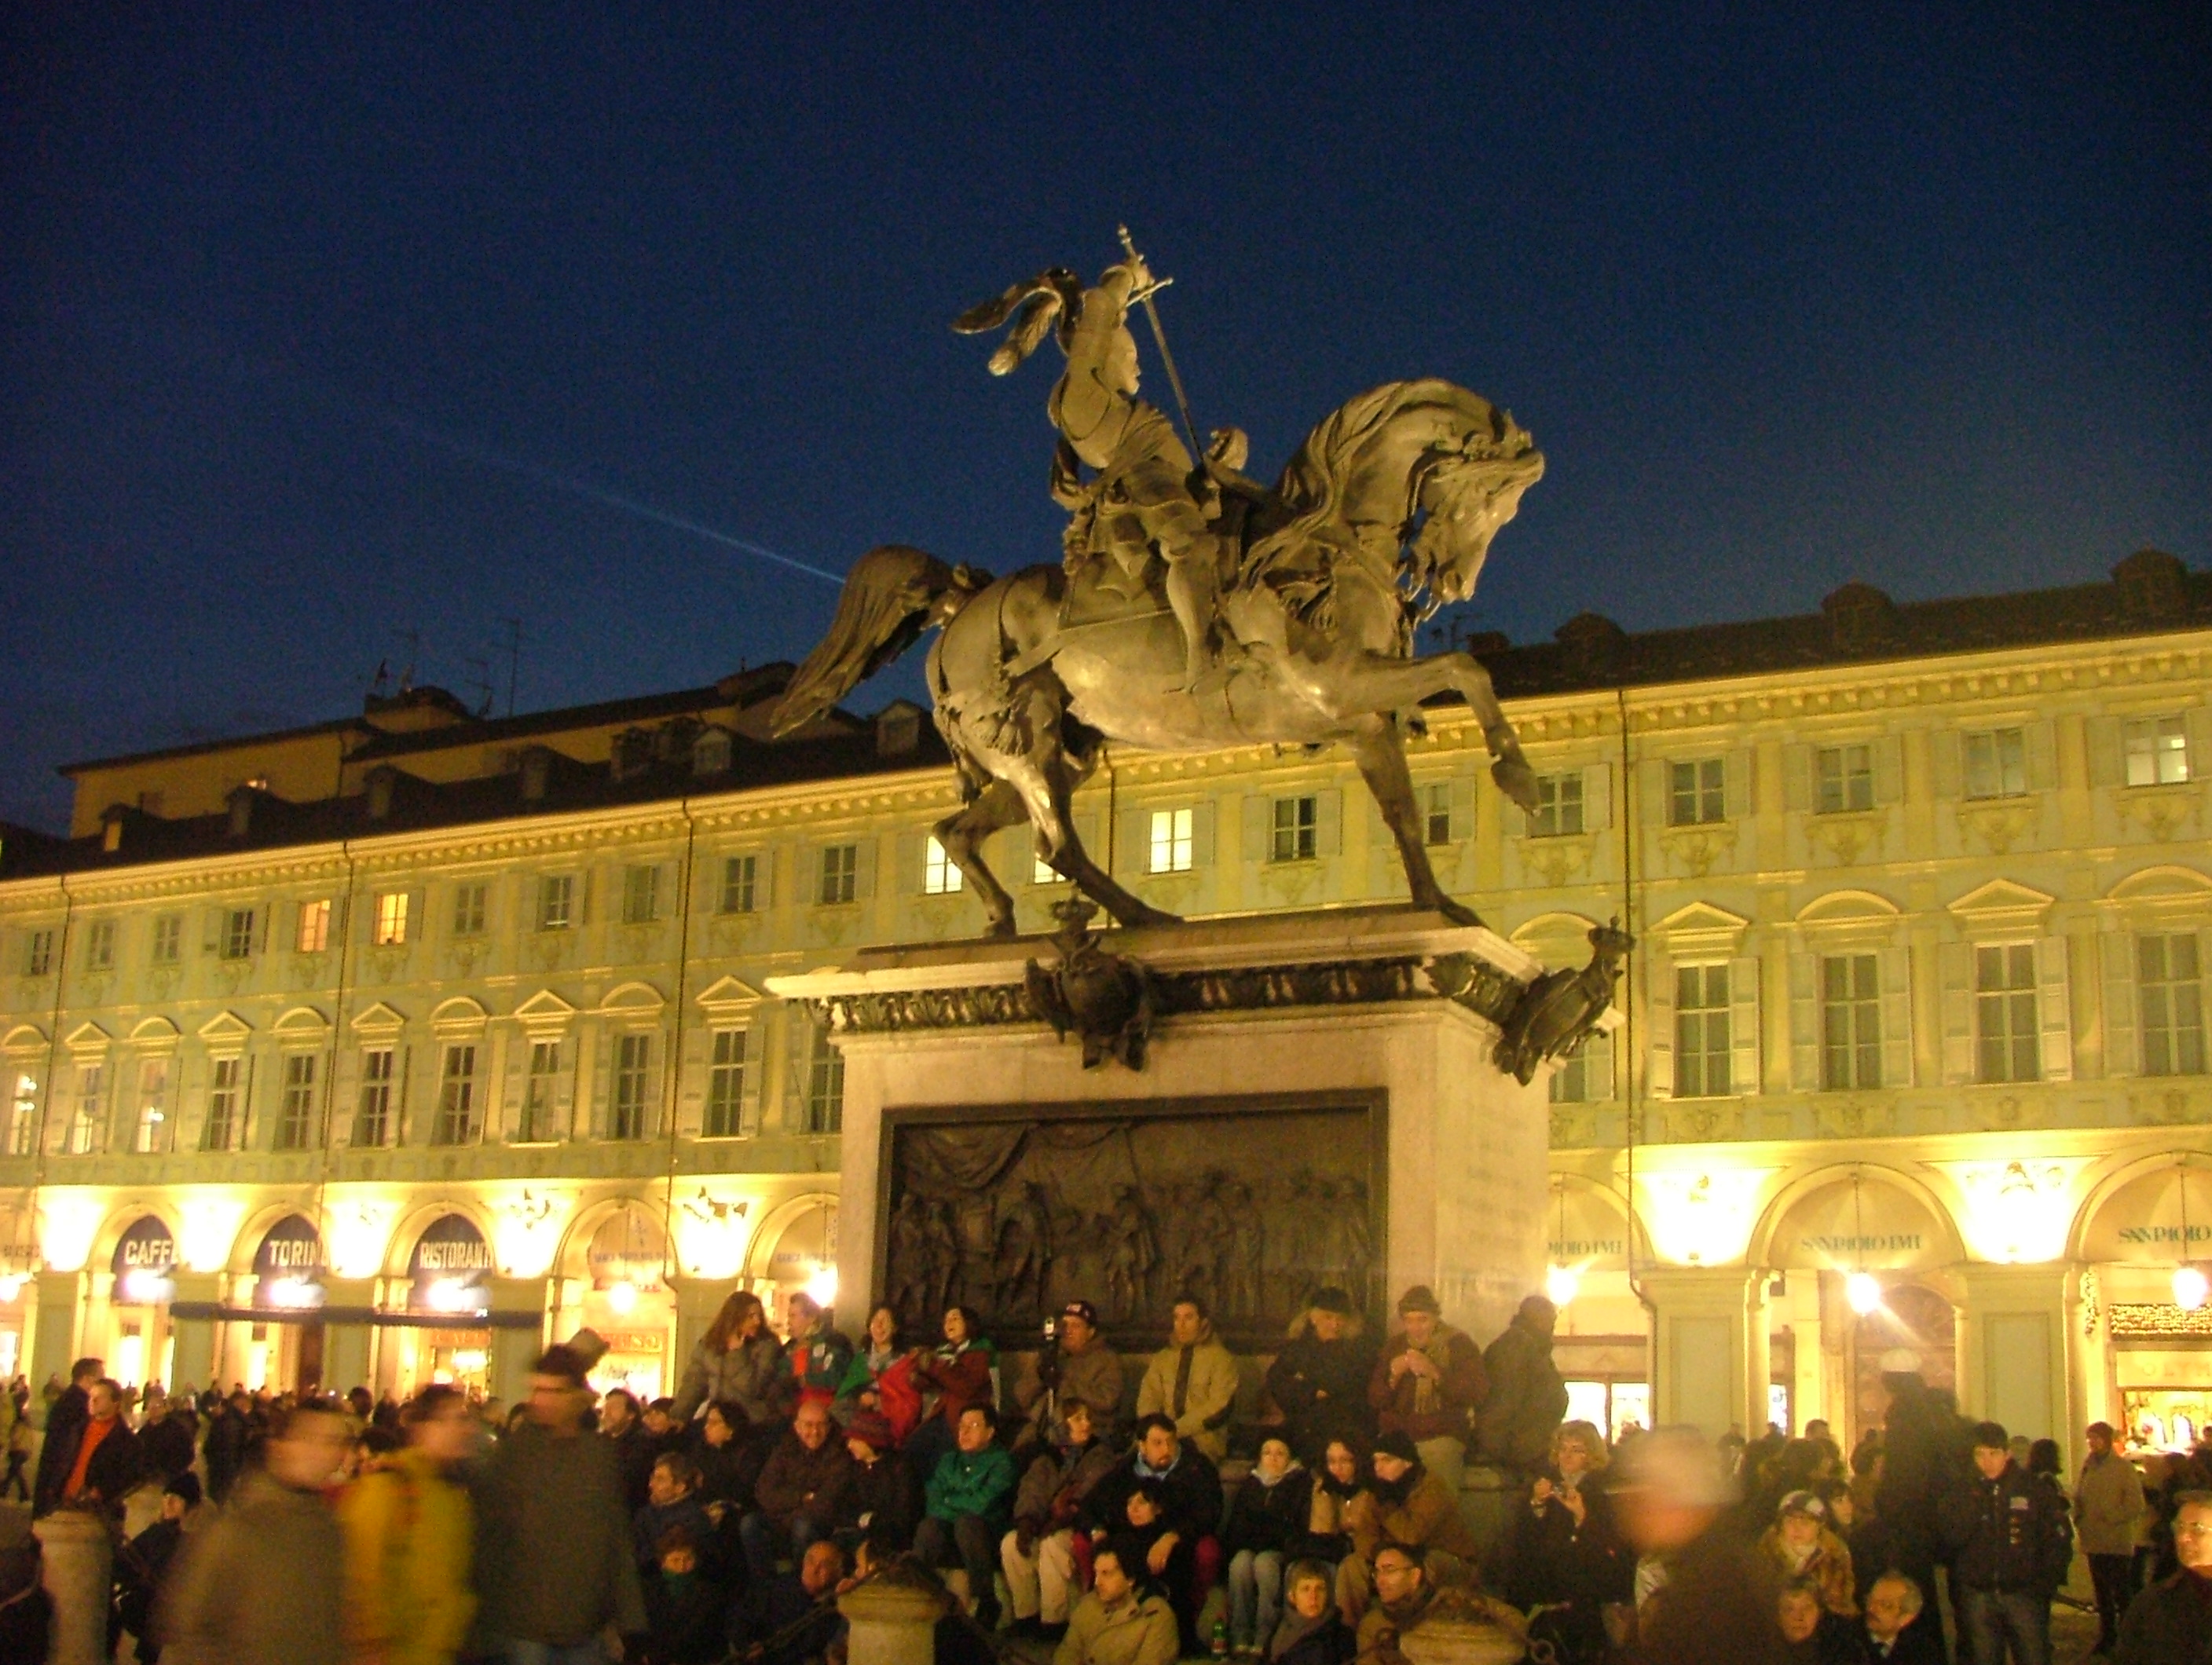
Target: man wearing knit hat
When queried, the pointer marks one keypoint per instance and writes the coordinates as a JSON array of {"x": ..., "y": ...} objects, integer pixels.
[{"x": 1426, "y": 1384}]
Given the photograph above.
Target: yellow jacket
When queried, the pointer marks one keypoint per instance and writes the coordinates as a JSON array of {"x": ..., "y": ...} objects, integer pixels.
[{"x": 409, "y": 1535}]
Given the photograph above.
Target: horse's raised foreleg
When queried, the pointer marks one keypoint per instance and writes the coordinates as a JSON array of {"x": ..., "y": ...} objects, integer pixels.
[
  {"x": 1382, "y": 760},
  {"x": 962, "y": 834},
  {"x": 1377, "y": 683}
]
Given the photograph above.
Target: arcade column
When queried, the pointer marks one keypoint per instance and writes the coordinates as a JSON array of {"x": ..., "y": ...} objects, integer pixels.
[{"x": 1709, "y": 1342}]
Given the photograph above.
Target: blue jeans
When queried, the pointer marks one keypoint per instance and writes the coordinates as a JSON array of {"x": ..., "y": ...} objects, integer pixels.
[
  {"x": 1256, "y": 1582},
  {"x": 556, "y": 1653},
  {"x": 1993, "y": 1617}
]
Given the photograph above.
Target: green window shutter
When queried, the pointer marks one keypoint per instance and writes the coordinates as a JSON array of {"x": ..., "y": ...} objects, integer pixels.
[
  {"x": 1954, "y": 962},
  {"x": 1805, "y": 1022},
  {"x": 1462, "y": 810},
  {"x": 749, "y": 1112},
  {"x": 1896, "y": 971},
  {"x": 1201, "y": 834},
  {"x": 1256, "y": 816},
  {"x": 1743, "y": 1023},
  {"x": 1797, "y": 778},
  {"x": 514, "y": 1081},
  {"x": 913, "y": 860},
  {"x": 1133, "y": 843},
  {"x": 2123, "y": 1032},
  {"x": 691, "y": 1081},
  {"x": 2055, "y": 1007},
  {"x": 1659, "y": 1051},
  {"x": 1950, "y": 766},
  {"x": 1597, "y": 1067},
  {"x": 864, "y": 877}
]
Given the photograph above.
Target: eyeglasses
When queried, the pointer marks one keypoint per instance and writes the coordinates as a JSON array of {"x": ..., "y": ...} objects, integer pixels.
[{"x": 2194, "y": 1529}]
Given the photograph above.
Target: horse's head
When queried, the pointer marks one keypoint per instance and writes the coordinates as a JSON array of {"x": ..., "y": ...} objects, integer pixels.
[{"x": 1467, "y": 495}]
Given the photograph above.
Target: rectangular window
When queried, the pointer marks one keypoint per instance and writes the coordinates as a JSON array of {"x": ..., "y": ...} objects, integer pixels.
[
  {"x": 1043, "y": 872},
  {"x": 939, "y": 877},
  {"x": 1558, "y": 805},
  {"x": 153, "y": 1129},
  {"x": 1702, "y": 1038},
  {"x": 100, "y": 945},
  {"x": 556, "y": 894},
  {"x": 2005, "y": 1029},
  {"x": 1572, "y": 1082},
  {"x": 22, "y": 1114},
  {"x": 2172, "y": 1005},
  {"x": 841, "y": 874},
  {"x": 1996, "y": 763},
  {"x": 1845, "y": 778},
  {"x": 91, "y": 1099},
  {"x": 238, "y": 934},
  {"x": 391, "y": 919},
  {"x": 725, "y": 1086},
  {"x": 469, "y": 903},
  {"x": 1172, "y": 842},
  {"x": 641, "y": 895},
  {"x": 2156, "y": 750},
  {"x": 540, "y": 1122},
  {"x": 39, "y": 953},
  {"x": 314, "y": 932},
  {"x": 1295, "y": 834},
  {"x": 457, "y": 1098},
  {"x": 1850, "y": 1021},
  {"x": 1696, "y": 793},
  {"x": 169, "y": 939},
  {"x": 223, "y": 1116},
  {"x": 371, "y": 1122},
  {"x": 1436, "y": 814},
  {"x": 825, "y": 1084},
  {"x": 295, "y": 1113},
  {"x": 740, "y": 882},
  {"x": 632, "y": 1078}
]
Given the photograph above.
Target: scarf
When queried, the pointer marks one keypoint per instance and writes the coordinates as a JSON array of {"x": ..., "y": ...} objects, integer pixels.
[
  {"x": 1294, "y": 1469},
  {"x": 1295, "y": 1628},
  {"x": 1427, "y": 1398},
  {"x": 1145, "y": 1470},
  {"x": 1397, "y": 1491}
]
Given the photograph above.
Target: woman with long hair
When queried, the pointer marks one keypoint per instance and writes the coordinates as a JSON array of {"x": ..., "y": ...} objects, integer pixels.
[
  {"x": 738, "y": 1360},
  {"x": 881, "y": 1378},
  {"x": 962, "y": 1371}
]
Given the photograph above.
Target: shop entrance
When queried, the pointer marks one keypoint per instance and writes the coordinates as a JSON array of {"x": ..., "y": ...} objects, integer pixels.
[{"x": 626, "y": 1298}]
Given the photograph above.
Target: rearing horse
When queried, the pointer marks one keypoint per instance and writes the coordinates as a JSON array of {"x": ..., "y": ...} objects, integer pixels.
[{"x": 1386, "y": 513}]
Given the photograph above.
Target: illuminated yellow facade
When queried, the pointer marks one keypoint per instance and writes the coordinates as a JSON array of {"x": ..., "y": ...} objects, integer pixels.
[{"x": 1914, "y": 1049}]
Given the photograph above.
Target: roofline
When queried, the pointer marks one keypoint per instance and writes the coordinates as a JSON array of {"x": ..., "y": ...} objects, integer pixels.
[{"x": 329, "y": 725}]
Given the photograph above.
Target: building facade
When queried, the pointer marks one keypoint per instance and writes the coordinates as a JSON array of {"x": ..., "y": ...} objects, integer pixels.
[{"x": 383, "y": 1050}]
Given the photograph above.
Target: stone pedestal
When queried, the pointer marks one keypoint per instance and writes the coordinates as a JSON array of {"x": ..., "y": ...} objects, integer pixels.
[
  {"x": 891, "y": 1624},
  {"x": 76, "y": 1569},
  {"x": 1391, "y": 1009}
]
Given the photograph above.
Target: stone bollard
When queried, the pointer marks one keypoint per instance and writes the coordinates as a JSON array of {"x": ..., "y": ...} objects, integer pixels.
[
  {"x": 891, "y": 1624},
  {"x": 1462, "y": 1642},
  {"x": 77, "y": 1559}
]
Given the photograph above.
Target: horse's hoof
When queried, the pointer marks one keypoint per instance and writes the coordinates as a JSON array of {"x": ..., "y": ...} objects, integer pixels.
[{"x": 1002, "y": 927}]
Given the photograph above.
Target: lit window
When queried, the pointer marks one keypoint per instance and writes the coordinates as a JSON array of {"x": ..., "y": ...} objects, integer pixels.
[
  {"x": 91, "y": 1100},
  {"x": 1845, "y": 778},
  {"x": 2157, "y": 750},
  {"x": 295, "y": 1113},
  {"x": 153, "y": 1130},
  {"x": 238, "y": 934},
  {"x": 1296, "y": 833},
  {"x": 1996, "y": 763},
  {"x": 457, "y": 1098},
  {"x": 1171, "y": 842},
  {"x": 641, "y": 895},
  {"x": 1043, "y": 872},
  {"x": 1696, "y": 793},
  {"x": 841, "y": 874},
  {"x": 725, "y": 1086},
  {"x": 372, "y": 1125},
  {"x": 223, "y": 1117},
  {"x": 1850, "y": 1021},
  {"x": 392, "y": 919},
  {"x": 825, "y": 1085},
  {"x": 1558, "y": 805},
  {"x": 538, "y": 1123},
  {"x": 100, "y": 945},
  {"x": 1701, "y": 1031},
  {"x": 169, "y": 939},
  {"x": 740, "y": 878},
  {"x": 2005, "y": 1029},
  {"x": 22, "y": 1115},
  {"x": 469, "y": 904},
  {"x": 556, "y": 892},
  {"x": 1437, "y": 814},
  {"x": 939, "y": 877},
  {"x": 2172, "y": 1005},
  {"x": 314, "y": 932},
  {"x": 39, "y": 953},
  {"x": 633, "y": 1071}
]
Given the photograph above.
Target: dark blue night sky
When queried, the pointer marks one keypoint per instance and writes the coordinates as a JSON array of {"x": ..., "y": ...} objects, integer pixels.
[{"x": 321, "y": 324}]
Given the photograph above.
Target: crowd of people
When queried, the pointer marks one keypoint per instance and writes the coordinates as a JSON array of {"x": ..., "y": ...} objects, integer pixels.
[{"x": 724, "y": 1522}]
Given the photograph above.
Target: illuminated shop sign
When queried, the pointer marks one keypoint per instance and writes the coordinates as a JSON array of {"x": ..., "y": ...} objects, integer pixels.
[{"x": 145, "y": 1263}]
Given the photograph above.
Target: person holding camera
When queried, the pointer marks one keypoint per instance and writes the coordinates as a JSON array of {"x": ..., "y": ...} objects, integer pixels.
[{"x": 1076, "y": 1362}]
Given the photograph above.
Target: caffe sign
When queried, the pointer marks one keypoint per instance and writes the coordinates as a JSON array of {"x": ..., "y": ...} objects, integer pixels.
[{"x": 145, "y": 1262}]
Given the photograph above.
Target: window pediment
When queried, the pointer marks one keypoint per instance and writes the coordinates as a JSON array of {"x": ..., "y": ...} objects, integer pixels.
[
  {"x": 87, "y": 1036},
  {"x": 2002, "y": 904},
  {"x": 729, "y": 996},
  {"x": 544, "y": 1012},
  {"x": 1700, "y": 928},
  {"x": 24, "y": 1038},
  {"x": 379, "y": 1019},
  {"x": 459, "y": 1016},
  {"x": 2162, "y": 892}
]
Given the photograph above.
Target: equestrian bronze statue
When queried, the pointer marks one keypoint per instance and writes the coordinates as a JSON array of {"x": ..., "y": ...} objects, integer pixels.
[{"x": 1193, "y": 606}]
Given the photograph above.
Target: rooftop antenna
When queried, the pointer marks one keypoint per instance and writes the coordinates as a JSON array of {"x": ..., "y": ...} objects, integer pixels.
[
  {"x": 482, "y": 683},
  {"x": 412, "y": 636},
  {"x": 514, "y": 645},
  {"x": 379, "y": 686}
]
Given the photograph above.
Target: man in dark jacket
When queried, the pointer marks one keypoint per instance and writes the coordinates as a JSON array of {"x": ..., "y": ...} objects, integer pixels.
[
  {"x": 800, "y": 1494},
  {"x": 1527, "y": 1397},
  {"x": 1720, "y": 1604},
  {"x": 554, "y": 1567},
  {"x": 232, "y": 1430},
  {"x": 106, "y": 1463},
  {"x": 65, "y": 1423},
  {"x": 165, "y": 1440},
  {"x": 882, "y": 1505},
  {"x": 142, "y": 1564},
  {"x": 2171, "y": 1623},
  {"x": 2010, "y": 1543},
  {"x": 622, "y": 1424},
  {"x": 1319, "y": 1380}
]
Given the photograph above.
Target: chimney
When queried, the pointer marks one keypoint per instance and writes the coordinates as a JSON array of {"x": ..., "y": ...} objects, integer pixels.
[
  {"x": 1860, "y": 617},
  {"x": 1594, "y": 646},
  {"x": 2152, "y": 585}
]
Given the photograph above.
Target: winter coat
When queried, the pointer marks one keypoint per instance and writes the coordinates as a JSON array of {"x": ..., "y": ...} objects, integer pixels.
[
  {"x": 1320, "y": 1387},
  {"x": 263, "y": 1584},
  {"x": 978, "y": 1483},
  {"x": 1328, "y": 1641},
  {"x": 1829, "y": 1567},
  {"x": 2168, "y": 1623},
  {"x": 1556, "y": 1560},
  {"x": 410, "y": 1534},
  {"x": 1093, "y": 1375},
  {"x": 635, "y": 1452},
  {"x": 553, "y": 1541},
  {"x": 1140, "y": 1630},
  {"x": 1269, "y": 1517},
  {"x": 1718, "y": 1606},
  {"x": 116, "y": 1467},
  {"x": 1056, "y": 1482},
  {"x": 754, "y": 1373},
  {"x": 959, "y": 1379},
  {"x": 2007, "y": 1533},
  {"x": 883, "y": 1501},
  {"x": 65, "y": 1423},
  {"x": 2108, "y": 1501},
  {"x": 889, "y": 1377},
  {"x": 165, "y": 1448},
  {"x": 817, "y": 1364},
  {"x": 229, "y": 1436},
  {"x": 1192, "y": 1499},
  {"x": 649, "y": 1523},
  {"x": 795, "y": 1480},
  {"x": 728, "y": 1472},
  {"x": 1525, "y": 1399},
  {"x": 1326, "y": 1539},
  {"x": 1196, "y": 1385},
  {"x": 1396, "y": 1403},
  {"x": 1425, "y": 1516},
  {"x": 684, "y": 1620}
]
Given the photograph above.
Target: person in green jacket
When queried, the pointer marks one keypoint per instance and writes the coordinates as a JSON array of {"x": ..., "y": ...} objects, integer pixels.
[{"x": 970, "y": 1500}]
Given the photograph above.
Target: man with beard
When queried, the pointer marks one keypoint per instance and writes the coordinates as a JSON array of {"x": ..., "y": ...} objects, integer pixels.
[
  {"x": 1190, "y": 1499},
  {"x": 1406, "y": 1507},
  {"x": 1427, "y": 1382},
  {"x": 1319, "y": 1380}
]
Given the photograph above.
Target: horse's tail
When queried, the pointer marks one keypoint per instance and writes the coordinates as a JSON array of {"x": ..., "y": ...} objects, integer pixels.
[{"x": 892, "y": 594}]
